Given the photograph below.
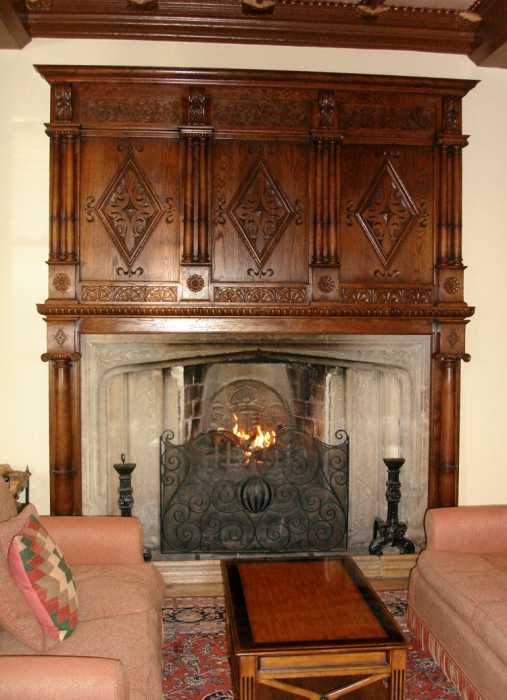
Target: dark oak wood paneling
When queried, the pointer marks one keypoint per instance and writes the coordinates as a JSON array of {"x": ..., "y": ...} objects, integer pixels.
[{"x": 254, "y": 202}]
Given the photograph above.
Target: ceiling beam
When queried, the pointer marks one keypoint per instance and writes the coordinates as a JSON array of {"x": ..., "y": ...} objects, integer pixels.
[
  {"x": 13, "y": 34},
  {"x": 490, "y": 47}
]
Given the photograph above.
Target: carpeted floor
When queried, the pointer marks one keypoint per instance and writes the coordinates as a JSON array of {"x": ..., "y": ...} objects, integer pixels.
[{"x": 195, "y": 653}]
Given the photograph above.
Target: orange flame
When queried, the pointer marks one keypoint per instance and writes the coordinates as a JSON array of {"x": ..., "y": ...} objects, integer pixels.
[
  {"x": 242, "y": 436},
  {"x": 263, "y": 440},
  {"x": 258, "y": 442}
]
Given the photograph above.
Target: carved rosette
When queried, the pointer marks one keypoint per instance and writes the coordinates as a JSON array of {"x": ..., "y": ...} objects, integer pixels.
[
  {"x": 61, "y": 282},
  {"x": 195, "y": 283}
]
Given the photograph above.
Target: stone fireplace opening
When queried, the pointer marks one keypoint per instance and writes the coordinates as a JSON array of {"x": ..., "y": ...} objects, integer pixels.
[{"x": 376, "y": 388}]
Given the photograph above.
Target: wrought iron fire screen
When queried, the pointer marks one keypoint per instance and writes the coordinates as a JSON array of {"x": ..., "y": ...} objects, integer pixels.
[{"x": 218, "y": 497}]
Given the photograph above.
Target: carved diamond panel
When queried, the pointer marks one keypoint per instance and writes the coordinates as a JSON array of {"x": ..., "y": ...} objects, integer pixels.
[
  {"x": 261, "y": 212},
  {"x": 130, "y": 210},
  {"x": 387, "y": 213}
]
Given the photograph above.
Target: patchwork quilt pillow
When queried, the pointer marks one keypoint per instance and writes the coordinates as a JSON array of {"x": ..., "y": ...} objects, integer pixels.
[{"x": 39, "y": 569}]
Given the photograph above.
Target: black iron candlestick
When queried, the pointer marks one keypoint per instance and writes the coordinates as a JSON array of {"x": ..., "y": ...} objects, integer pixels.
[
  {"x": 391, "y": 532},
  {"x": 126, "y": 498}
]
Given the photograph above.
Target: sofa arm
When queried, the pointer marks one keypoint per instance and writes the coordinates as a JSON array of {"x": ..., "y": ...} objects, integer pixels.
[
  {"x": 95, "y": 539},
  {"x": 62, "y": 678},
  {"x": 467, "y": 529}
]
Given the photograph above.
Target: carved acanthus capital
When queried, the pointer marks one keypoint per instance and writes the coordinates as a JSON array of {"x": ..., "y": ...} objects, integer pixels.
[
  {"x": 451, "y": 142},
  {"x": 325, "y": 138},
  {"x": 452, "y": 358},
  {"x": 61, "y": 358}
]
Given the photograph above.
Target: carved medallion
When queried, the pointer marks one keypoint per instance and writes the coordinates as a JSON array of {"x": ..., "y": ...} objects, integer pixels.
[
  {"x": 195, "y": 283},
  {"x": 452, "y": 285},
  {"x": 130, "y": 210},
  {"x": 61, "y": 282},
  {"x": 261, "y": 212},
  {"x": 387, "y": 213},
  {"x": 326, "y": 284}
]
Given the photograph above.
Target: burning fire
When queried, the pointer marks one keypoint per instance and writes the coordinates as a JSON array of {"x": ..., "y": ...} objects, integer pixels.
[{"x": 259, "y": 441}]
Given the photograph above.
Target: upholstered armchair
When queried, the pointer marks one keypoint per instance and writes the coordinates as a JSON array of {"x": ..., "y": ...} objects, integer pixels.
[{"x": 112, "y": 647}]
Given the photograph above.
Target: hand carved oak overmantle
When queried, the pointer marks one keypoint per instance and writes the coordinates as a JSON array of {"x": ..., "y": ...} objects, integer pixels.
[{"x": 253, "y": 202}]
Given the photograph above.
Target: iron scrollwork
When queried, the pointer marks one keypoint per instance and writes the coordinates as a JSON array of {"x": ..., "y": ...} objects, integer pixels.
[{"x": 219, "y": 497}]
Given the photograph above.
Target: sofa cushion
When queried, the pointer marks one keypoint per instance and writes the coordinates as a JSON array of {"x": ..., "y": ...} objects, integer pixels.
[
  {"x": 107, "y": 590},
  {"x": 465, "y": 581},
  {"x": 43, "y": 576},
  {"x": 16, "y": 616}
]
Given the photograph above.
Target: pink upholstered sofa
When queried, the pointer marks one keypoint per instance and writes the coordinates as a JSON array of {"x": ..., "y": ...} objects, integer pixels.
[
  {"x": 115, "y": 651},
  {"x": 457, "y": 600}
]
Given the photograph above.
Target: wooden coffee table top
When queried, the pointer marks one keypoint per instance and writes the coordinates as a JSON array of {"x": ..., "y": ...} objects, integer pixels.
[{"x": 304, "y": 604}]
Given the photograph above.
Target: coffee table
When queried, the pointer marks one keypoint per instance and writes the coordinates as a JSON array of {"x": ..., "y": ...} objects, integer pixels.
[{"x": 312, "y": 628}]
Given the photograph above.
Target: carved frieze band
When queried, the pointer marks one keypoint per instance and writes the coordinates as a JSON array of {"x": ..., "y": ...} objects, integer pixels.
[
  {"x": 257, "y": 311},
  {"x": 260, "y": 295},
  {"x": 63, "y": 216},
  {"x": 386, "y": 296},
  {"x": 379, "y": 118},
  {"x": 137, "y": 293},
  {"x": 261, "y": 113},
  {"x": 126, "y": 111},
  {"x": 326, "y": 198}
]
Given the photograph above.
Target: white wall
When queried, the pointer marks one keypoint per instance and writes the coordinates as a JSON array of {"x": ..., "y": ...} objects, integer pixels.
[{"x": 24, "y": 159}]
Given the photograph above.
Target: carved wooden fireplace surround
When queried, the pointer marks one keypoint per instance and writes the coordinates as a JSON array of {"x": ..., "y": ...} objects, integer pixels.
[{"x": 257, "y": 202}]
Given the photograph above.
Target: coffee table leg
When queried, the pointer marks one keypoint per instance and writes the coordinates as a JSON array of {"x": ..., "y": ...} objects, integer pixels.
[
  {"x": 397, "y": 681},
  {"x": 247, "y": 672}
]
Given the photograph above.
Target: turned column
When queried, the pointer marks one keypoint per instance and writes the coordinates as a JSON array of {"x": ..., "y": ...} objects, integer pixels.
[
  {"x": 63, "y": 433},
  {"x": 64, "y": 147},
  {"x": 326, "y": 199},
  {"x": 444, "y": 485}
]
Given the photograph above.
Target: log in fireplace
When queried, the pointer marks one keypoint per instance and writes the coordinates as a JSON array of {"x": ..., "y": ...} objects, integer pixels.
[{"x": 199, "y": 207}]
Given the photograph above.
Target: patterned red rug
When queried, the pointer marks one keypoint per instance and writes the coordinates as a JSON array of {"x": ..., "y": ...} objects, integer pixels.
[{"x": 195, "y": 653}]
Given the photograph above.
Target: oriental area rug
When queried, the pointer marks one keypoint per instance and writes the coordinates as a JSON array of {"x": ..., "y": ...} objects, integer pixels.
[{"x": 195, "y": 652}]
